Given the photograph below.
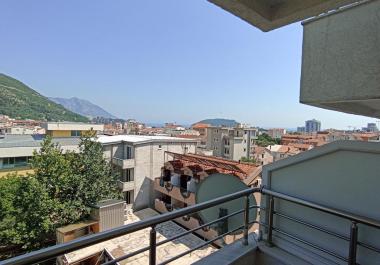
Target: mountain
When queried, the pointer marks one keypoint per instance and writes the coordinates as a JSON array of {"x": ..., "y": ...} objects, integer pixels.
[
  {"x": 19, "y": 101},
  {"x": 220, "y": 122},
  {"x": 83, "y": 107}
]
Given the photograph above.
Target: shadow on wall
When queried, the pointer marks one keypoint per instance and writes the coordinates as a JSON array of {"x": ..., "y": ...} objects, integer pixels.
[{"x": 145, "y": 196}]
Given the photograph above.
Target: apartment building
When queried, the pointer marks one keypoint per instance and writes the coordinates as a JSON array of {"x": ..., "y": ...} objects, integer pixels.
[
  {"x": 139, "y": 159},
  {"x": 181, "y": 176},
  {"x": 276, "y": 133},
  {"x": 312, "y": 126},
  {"x": 231, "y": 143}
]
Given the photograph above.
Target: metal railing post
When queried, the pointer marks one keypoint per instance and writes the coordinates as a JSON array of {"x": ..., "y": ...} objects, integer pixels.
[
  {"x": 152, "y": 246},
  {"x": 270, "y": 221},
  {"x": 246, "y": 220},
  {"x": 353, "y": 243}
]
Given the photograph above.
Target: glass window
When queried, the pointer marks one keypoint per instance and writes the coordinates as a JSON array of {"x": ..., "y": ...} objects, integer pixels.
[
  {"x": 75, "y": 133},
  {"x": 128, "y": 152}
]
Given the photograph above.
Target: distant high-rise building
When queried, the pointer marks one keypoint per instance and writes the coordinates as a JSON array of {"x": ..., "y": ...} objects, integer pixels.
[
  {"x": 312, "y": 126},
  {"x": 371, "y": 127}
]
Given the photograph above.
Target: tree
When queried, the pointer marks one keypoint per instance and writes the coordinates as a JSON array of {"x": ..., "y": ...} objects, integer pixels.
[
  {"x": 58, "y": 193},
  {"x": 264, "y": 140},
  {"x": 25, "y": 212}
]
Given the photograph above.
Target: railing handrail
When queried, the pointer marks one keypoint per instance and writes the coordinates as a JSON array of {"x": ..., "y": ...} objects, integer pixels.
[
  {"x": 57, "y": 250},
  {"x": 322, "y": 208}
]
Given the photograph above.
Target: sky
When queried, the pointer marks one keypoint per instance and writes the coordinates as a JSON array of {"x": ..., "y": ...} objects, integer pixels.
[{"x": 160, "y": 61}]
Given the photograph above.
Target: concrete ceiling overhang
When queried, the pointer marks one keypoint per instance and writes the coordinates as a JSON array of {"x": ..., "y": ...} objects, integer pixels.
[
  {"x": 341, "y": 60},
  {"x": 272, "y": 14}
]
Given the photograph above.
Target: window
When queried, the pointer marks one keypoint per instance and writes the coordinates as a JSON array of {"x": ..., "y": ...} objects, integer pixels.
[
  {"x": 127, "y": 175},
  {"x": 75, "y": 133},
  {"x": 128, "y": 197},
  {"x": 128, "y": 152}
]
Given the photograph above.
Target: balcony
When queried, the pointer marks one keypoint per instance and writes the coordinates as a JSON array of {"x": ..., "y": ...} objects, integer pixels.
[
  {"x": 126, "y": 186},
  {"x": 175, "y": 192},
  {"x": 251, "y": 249},
  {"x": 123, "y": 163}
]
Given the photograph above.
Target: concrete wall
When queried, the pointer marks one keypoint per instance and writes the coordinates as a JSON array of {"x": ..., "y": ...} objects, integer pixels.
[
  {"x": 149, "y": 158},
  {"x": 342, "y": 175},
  {"x": 341, "y": 61}
]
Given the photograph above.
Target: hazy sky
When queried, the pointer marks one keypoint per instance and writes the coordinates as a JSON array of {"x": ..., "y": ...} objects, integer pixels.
[{"x": 159, "y": 61}]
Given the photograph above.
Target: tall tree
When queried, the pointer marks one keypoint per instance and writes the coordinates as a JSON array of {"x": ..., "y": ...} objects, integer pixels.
[{"x": 59, "y": 192}]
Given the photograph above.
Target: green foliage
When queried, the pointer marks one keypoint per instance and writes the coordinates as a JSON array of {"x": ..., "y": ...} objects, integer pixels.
[
  {"x": 264, "y": 140},
  {"x": 25, "y": 210},
  {"x": 57, "y": 193},
  {"x": 248, "y": 160},
  {"x": 20, "y": 101}
]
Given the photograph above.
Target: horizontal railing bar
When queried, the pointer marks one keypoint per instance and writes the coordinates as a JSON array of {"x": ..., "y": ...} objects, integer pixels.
[
  {"x": 370, "y": 247},
  {"x": 171, "y": 238},
  {"x": 310, "y": 244},
  {"x": 57, "y": 250},
  {"x": 336, "y": 212},
  {"x": 200, "y": 246},
  {"x": 312, "y": 226}
]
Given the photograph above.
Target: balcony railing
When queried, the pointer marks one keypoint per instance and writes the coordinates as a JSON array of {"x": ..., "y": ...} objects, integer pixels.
[
  {"x": 175, "y": 192},
  {"x": 126, "y": 185},
  {"x": 123, "y": 163},
  {"x": 61, "y": 249}
]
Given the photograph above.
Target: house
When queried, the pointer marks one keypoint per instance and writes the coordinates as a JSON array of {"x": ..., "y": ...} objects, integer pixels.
[{"x": 262, "y": 155}]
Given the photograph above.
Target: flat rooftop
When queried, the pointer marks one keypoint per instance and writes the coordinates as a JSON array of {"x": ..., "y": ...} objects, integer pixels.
[
  {"x": 105, "y": 139},
  {"x": 34, "y": 140}
]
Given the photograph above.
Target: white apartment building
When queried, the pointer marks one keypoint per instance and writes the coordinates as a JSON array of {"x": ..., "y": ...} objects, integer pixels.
[
  {"x": 231, "y": 143},
  {"x": 139, "y": 160}
]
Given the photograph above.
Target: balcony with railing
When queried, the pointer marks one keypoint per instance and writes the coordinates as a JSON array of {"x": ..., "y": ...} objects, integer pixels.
[
  {"x": 176, "y": 192},
  {"x": 126, "y": 186},
  {"x": 123, "y": 163},
  {"x": 261, "y": 252}
]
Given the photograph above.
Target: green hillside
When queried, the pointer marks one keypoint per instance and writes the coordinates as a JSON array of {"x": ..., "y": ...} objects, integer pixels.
[{"x": 21, "y": 102}]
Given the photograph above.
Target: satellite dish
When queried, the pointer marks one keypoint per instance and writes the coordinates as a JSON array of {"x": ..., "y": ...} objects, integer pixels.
[{"x": 217, "y": 185}]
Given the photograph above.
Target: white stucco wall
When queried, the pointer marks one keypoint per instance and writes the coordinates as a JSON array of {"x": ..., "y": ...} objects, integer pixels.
[{"x": 342, "y": 175}]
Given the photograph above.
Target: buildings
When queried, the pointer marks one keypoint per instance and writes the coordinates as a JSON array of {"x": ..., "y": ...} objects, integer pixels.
[
  {"x": 139, "y": 160},
  {"x": 16, "y": 150},
  {"x": 181, "y": 176},
  {"x": 276, "y": 133},
  {"x": 231, "y": 143},
  {"x": 371, "y": 127},
  {"x": 262, "y": 155},
  {"x": 322, "y": 205},
  {"x": 282, "y": 151},
  {"x": 70, "y": 129},
  {"x": 312, "y": 126}
]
